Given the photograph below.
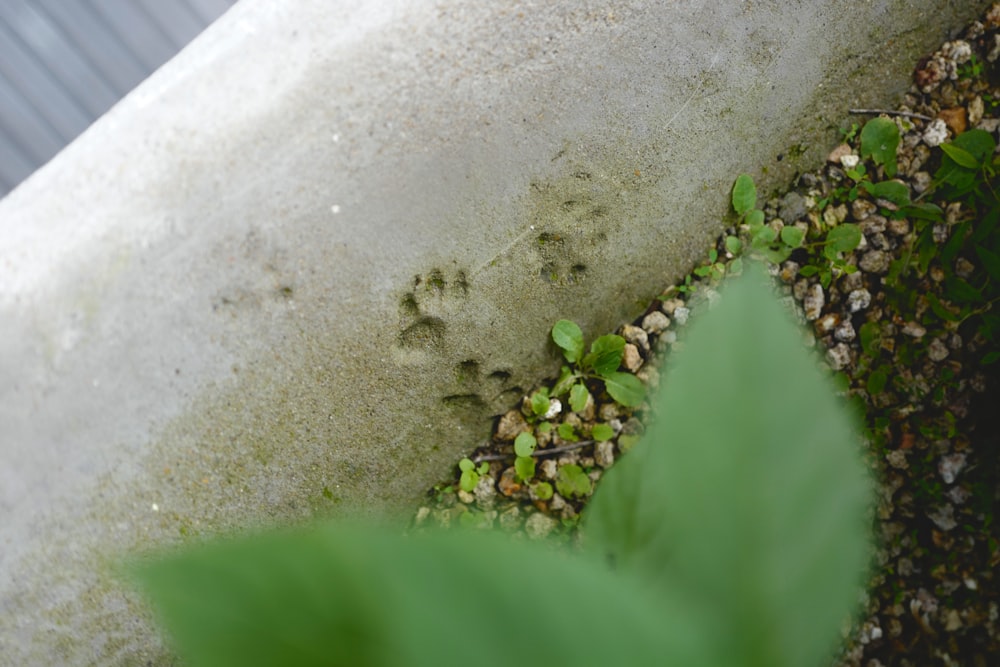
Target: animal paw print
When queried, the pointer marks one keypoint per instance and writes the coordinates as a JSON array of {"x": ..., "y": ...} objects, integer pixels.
[{"x": 424, "y": 310}]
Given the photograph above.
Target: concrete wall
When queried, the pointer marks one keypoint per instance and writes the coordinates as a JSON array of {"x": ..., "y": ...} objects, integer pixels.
[{"x": 300, "y": 267}]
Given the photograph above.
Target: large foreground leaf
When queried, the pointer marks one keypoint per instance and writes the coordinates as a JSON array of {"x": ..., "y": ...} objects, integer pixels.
[
  {"x": 342, "y": 594},
  {"x": 748, "y": 489}
]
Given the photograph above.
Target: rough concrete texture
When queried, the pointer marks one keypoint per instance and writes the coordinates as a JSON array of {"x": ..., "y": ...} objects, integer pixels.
[{"x": 301, "y": 267}]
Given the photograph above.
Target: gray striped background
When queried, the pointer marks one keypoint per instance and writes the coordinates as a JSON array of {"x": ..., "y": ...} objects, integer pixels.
[{"x": 63, "y": 63}]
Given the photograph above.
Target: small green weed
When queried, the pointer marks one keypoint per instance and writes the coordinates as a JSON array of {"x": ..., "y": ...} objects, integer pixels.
[
  {"x": 776, "y": 246},
  {"x": 524, "y": 464},
  {"x": 601, "y": 363},
  {"x": 471, "y": 474}
]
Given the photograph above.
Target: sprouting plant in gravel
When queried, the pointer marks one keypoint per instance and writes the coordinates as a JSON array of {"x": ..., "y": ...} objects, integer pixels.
[
  {"x": 718, "y": 541},
  {"x": 600, "y": 363},
  {"x": 524, "y": 464},
  {"x": 880, "y": 141},
  {"x": 943, "y": 248},
  {"x": 572, "y": 481},
  {"x": 777, "y": 245},
  {"x": 471, "y": 473}
]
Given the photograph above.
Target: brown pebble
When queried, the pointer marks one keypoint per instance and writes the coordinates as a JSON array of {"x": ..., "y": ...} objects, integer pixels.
[
  {"x": 508, "y": 483},
  {"x": 955, "y": 118},
  {"x": 510, "y": 425},
  {"x": 839, "y": 152}
]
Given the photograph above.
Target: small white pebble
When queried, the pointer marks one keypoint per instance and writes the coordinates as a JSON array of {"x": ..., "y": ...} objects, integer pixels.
[
  {"x": 555, "y": 407},
  {"x": 850, "y": 161},
  {"x": 813, "y": 302},
  {"x": 950, "y": 466},
  {"x": 914, "y": 330},
  {"x": 681, "y": 314},
  {"x": 897, "y": 459},
  {"x": 936, "y": 133},
  {"x": 859, "y": 299},
  {"x": 845, "y": 332},
  {"x": 838, "y": 356},
  {"x": 937, "y": 350},
  {"x": 604, "y": 454}
]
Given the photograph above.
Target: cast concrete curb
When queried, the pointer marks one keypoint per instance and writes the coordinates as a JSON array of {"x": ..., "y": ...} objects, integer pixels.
[{"x": 301, "y": 266}]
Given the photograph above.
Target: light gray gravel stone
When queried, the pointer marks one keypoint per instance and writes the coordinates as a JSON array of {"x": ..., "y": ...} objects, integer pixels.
[
  {"x": 792, "y": 207},
  {"x": 875, "y": 261},
  {"x": 510, "y": 425},
  {"x": 937, "y": 350},
  {"x": 950, "y": 465},
  {"x": 631, "y": 358},
  {"x": 636, "y": 336},
  {"x": 813, "y": 302},
  {"x": 485, "y": 492},
  {"x": 839, "y": 356},
  {"x": 604, "y": 454},
  {"x": 845, "y": 332},
  {"x": 943, "y": 517},
  {"x": 859, "y": 299},
  {"x": 510, "y": 518},
  {"x": 655, "y": 322}
]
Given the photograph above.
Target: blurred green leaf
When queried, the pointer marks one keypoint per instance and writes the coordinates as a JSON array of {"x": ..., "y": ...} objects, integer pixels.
[
  {"x": 744, "y": 195},
  {"x": 602, "y": 432},
  {"x": 578, "y": 396},
  {"x": 792, "y": 236},
  {"x": 524, "y": 444},
  {"x": 625, "y": 388},
  {"x": 605, "y": 354},
  {"x": 990, "y": 260},
  {"x": 540, "y": 402},
  {"x": 571, "y": 480},
  {"x": 761, "y": 508},
  {"x": 879, "y": 141},
  {"x": 892, "y": 191},
  {"x": 844, "y": 237},
  {"x": 567, "y": 335},
  {"x": 360, "y": 596},
  {"x": 567, "y": 432},
  {"x": 524, "y": 466},
  {"x": 870, "y": 337},
  {"x": 962, "y": 157},
  {"x": 877, "y": 381},
  {"x": 733, "y": 245}
]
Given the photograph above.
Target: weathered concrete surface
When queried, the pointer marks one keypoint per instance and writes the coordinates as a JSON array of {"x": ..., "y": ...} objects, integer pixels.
[{"x": 304, "y": 263}]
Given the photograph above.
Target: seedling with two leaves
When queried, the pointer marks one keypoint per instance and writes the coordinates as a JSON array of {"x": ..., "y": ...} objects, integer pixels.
[{"x": 600, "y": 363}]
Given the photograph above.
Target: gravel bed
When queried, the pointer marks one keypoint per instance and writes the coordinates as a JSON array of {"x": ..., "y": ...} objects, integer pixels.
[{"x": 930, "y": 404}]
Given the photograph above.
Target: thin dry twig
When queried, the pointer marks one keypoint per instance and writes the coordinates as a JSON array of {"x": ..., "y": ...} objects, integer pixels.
[
  {"x": 889, "y": 112},
  {"x": 537, "y": 452}
]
